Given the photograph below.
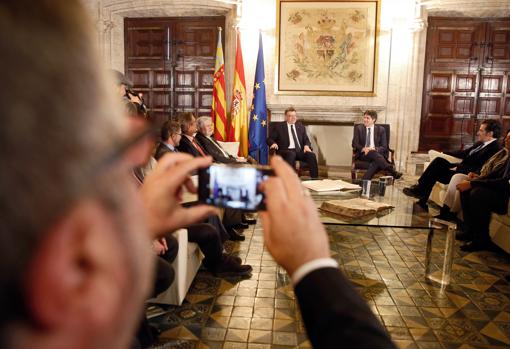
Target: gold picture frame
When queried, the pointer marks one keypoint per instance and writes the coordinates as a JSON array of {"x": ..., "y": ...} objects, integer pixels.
[{"x": 327, "y": 47}]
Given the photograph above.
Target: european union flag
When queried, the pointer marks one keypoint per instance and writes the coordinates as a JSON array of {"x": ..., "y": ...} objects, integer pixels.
[{"x": 257, "y": 133}]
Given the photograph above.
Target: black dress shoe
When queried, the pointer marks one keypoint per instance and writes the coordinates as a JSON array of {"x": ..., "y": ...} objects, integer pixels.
[
  {"x": 235, "y": 235},
  {"x": 472, "y": 247},
  {"x": 241, "y": 226},
  {"x": 249, "y": 220},
  {"x": 397, "y": 175},
  {"x": 413, "y": 191},
  {"x": 230, "y": 267},
  {"x": 475, "y": 246},
  {"x": 423, "y": 204},
  {"x": 462, "y": 236},
  {"x": 451, "y": 217}
]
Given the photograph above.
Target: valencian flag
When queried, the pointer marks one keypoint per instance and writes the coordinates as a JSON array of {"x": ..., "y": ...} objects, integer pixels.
[
  {"x": 238, "y": 131},
  {"x": 258, "y": 113},
  {"x": 219, "y": 103}
]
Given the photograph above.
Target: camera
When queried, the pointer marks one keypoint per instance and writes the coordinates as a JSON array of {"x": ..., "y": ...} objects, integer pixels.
[{"x": 233, "y": 186}]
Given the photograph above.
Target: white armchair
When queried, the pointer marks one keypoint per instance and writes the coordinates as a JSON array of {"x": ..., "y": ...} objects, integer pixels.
[{"x": 186, "y": 265}]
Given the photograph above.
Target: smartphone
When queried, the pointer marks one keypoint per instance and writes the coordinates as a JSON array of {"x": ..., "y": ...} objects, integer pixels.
[{"x": 233, "y": 186}]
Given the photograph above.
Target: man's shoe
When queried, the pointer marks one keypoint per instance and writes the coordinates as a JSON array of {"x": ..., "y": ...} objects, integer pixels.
[
  {"x": 230, "y": 267},
  {"x": 413, "y": 191},
  {"x": 249, "y": 220},
  {"x": 462, "y": 236},
  {"x": 235, "y": 258},
  {"x": 235, "y": 235},
  {"x": 423, "y": 204},
  {"x": 241, "y": 226},
  {"x": 397, "y": 175},
  {"x": 450, "y": 217},
  {"x": 473, "y": 247}
]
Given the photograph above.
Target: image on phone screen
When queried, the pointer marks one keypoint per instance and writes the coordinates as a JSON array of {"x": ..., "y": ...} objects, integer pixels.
[{"x": 233, "y": 186}]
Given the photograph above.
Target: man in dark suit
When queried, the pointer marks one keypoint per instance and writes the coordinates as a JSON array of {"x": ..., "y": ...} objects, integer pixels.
[
  {"x": 473, "y": 158},
  {"x": 479, "y": 198},
  {"x": 290, "y": 141},
  {"x": 188, "y": 143},
  {"x": 232, "y": 223},
  {"x": 334, "y": 314},
  {"x": 370, "y": 144},
  {"x": 209, "y": 144}
]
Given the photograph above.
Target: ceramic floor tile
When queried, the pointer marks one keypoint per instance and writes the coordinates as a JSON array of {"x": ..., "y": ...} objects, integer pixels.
[{"x": 387, "y": 268}]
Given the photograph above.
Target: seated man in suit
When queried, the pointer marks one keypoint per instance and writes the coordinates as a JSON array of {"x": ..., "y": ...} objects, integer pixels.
[
  {"x": 171, "y": 138},
  {"x": 480, "y": 197},
  {"x": 473, "y": 158},
  {"x": 188, "y": 143},
  {"x": 204, "y": 137},
  {"x": 370, "y": 144},
  {"x": 290, "y": 141}
]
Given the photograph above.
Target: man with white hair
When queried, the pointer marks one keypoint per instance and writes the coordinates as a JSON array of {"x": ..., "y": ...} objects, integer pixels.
[{"x": 204, "y": 137}]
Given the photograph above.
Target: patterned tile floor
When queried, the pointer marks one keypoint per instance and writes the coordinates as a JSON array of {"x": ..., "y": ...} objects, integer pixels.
[{"x": 386, "y": 266}]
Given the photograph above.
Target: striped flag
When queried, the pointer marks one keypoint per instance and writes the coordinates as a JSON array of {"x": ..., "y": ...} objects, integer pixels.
[
  {"x": 239, "y": 108},
  {"x": 219, "y": 103},
  {"x": 258, "y": 112}
]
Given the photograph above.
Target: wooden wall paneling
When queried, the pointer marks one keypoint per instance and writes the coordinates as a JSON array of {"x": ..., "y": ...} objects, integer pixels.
[
  {"x": 172, "y": 61},
  {"x": 467, "y": 67}
]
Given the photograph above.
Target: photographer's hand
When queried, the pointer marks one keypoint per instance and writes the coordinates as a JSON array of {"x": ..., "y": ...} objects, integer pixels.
[
  {"x": 162, "y": 191},
  {"x": 293, "y": 232}
]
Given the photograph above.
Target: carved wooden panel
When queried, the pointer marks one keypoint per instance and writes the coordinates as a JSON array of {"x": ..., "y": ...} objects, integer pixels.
[
  {"x": 440, "y": 105},
  {"x": 465, "y": 83},
  {"x": 463, "y": 105},
  {"x": 489, "y": 106},
  {"x": 466, "y": 79},
  {"x": 441, "y": 82},
  {"x": 145, "y": 43},
  {"x": 499, "y": 43},
  {"x": 171, "y": 60},
  {"x": 491, "y": 84},
  {"x": 506, "y": 111}
]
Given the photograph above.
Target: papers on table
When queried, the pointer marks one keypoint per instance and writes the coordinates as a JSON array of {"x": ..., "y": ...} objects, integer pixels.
[
  {"x": 436, "y": 154},
  {"x": 327, "y": 185}
]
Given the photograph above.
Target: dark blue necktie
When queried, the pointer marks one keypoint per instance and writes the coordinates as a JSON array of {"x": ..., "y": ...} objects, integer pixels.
[
  {"x": 296, "y": 143},
  {"x": 369, "y": 135},
  {"x": 476, "y": 149}
]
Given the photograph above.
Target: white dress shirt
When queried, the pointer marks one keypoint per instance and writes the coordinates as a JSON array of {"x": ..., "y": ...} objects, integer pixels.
[
  {"x": 291, "y": 138},
  {"x": 308, "y": 267},
  {"x": 372, "y": 130}
]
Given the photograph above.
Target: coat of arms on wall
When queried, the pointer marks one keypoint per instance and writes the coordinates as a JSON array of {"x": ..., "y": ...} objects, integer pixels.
[{"x": 327, "y": 47}]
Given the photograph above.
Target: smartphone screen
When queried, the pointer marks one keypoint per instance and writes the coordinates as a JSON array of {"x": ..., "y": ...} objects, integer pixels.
[{"x": 234, "y": 186}]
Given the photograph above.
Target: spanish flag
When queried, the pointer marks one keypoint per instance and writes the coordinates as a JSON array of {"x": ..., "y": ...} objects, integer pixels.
[
  {"x": 239, "y": 108},
  {"x": 219, "y": 103}
]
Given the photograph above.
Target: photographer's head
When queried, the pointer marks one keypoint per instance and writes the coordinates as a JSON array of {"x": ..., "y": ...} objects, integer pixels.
[
  {"x": 122, "y": 83},
  {"x": 205, "y": 126},
  {"x": 188, "y": 123},
  {"x": 171, "y": 133},
  {"x": 71, "y": 246}
]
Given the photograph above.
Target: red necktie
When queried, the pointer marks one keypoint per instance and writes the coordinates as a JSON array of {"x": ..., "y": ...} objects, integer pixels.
[{"x": 198, "y": 147}]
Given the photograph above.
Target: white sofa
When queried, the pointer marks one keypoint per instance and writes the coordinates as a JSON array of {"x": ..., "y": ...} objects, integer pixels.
[
  {"x": 499, "y": 228},
  {"x": 186, "y": 264}
]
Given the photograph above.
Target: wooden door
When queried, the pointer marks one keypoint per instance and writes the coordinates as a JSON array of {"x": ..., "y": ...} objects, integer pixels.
[
  {"x": 466, "y": 80},
  {"x": 171, "y": 61}
]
